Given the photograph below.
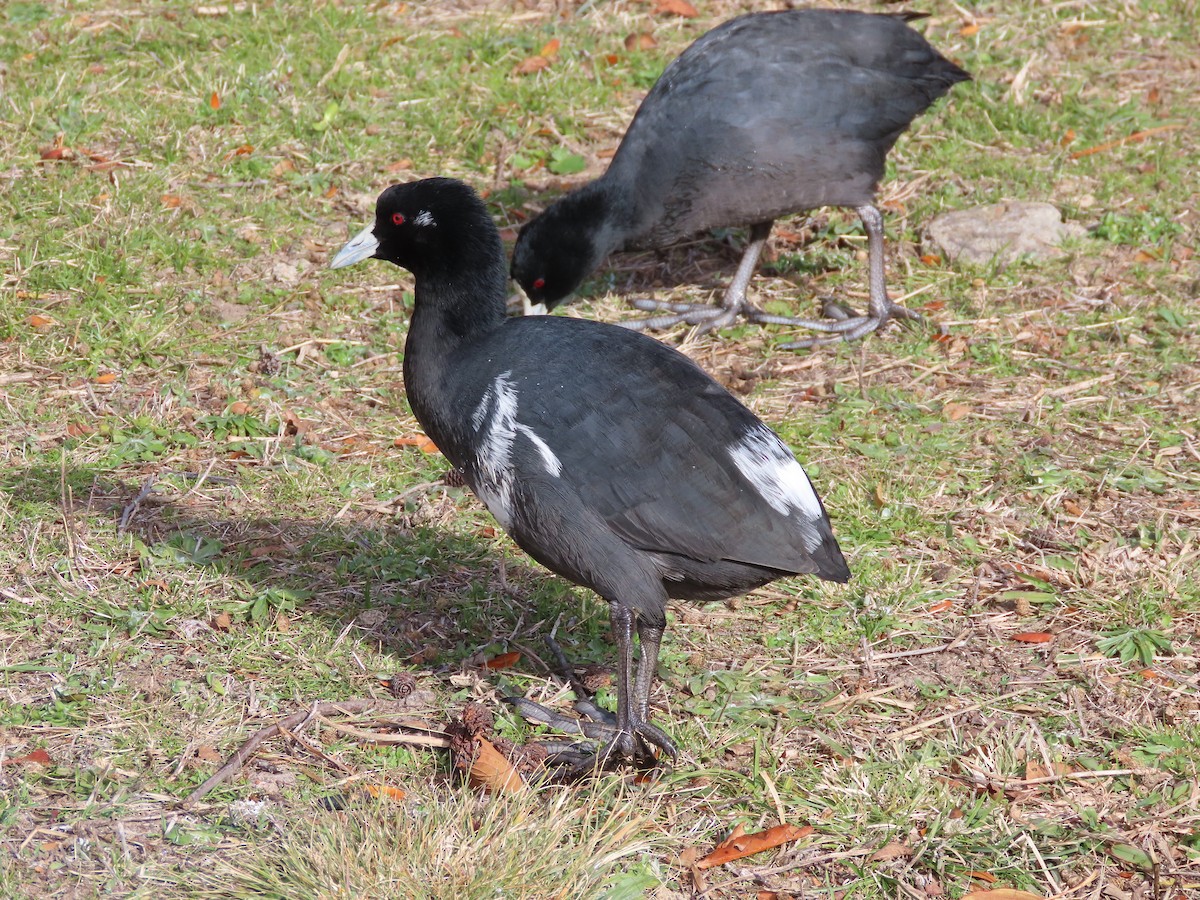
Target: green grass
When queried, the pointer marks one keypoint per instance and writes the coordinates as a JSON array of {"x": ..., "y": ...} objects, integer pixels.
[{"x": 168, "y": 332}]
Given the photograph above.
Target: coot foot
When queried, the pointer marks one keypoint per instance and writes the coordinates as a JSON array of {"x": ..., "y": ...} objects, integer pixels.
[
  {"x": 846, "y": 324},
  {"x": 625, "y": 737}
]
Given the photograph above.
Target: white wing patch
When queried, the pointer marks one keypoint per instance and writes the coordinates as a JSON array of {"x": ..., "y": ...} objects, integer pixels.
[
  {"x": 424, "y": 218},
  {"x": 495, "y": 421},
  {"x": 769, "y": 465}
]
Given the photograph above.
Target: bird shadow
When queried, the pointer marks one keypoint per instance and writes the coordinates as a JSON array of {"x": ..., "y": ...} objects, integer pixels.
[{"x": 435, "y": 600}]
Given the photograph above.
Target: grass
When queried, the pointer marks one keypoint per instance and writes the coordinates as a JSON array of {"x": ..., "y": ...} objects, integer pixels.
[{"x": 165, "y": 320}]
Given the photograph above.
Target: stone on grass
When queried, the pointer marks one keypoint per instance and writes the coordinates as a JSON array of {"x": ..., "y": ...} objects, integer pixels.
[{"x": 1003, "y": 232}]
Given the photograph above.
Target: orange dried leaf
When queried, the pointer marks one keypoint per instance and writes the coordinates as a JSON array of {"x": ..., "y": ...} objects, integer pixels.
[
  {"x": 420, "y": 441},
  {"x": 282, "y": 167},
  {"x": 400, "y": 165},
  {"x": 493, "y": 772},
  {"x": 1033, "y": 637},
  {"x": 738, "y": 846},
  {"x": 955, "y": 411},
  {"x": 386, "y": 791},
  {"x": 676, "y": 8},
  {"x": 106, "y": 378},
  {"x": 172, "y": 201},
  {"x": 982, "y": 876},
  {"x": 244, "y": 150},
  {"x": 1067, "y": 138},
  {"x": 531, "y": 64},
  {"x": 931, "y": 259},
  {"x": 39, "y": 756},
  {"x": 642, "y": 40},
  {"x": 971, "y": 28},
  {"x": 942, "y": 607},
  {"x": 1128, "y": 139},
  {"x": 215, "y": 100},
  {"x": 1001, "y": 894},
  {"x": 36, "y": 321},
  {"x": 550, "y": 50},
  {"x": 504, "y": 660}
]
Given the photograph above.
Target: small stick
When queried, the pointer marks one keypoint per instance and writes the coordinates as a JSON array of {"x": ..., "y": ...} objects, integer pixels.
[
  {"x": 1128, "y": 139},
  {"x": 244, "y": 752},
  {"x": 127, "y": 513}
]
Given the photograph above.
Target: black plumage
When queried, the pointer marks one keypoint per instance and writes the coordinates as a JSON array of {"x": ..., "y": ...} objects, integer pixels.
[
  {"x": 609, "y": 457},
  {"x": 766, "y": 115}
]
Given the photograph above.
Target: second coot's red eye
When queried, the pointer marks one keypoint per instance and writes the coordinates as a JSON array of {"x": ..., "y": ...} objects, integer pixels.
[
  {"x": 397, "y": 218},
  {"x": 539, "y": 283}
]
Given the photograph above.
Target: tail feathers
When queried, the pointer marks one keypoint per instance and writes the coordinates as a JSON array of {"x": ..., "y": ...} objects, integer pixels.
[{"x": 827, "y": 556}]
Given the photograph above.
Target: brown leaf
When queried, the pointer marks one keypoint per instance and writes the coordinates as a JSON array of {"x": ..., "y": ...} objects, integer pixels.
[
  {"x": 1067, "y": 138},
  {"x": 531, "y": 64},
  {"x": 1033, "y": 637},
  {"x": 36, "y": 321},
  {"x": 955, "y": 411},
  {"x": 493, "y": 772},
  {"x": 739, "y": 845},
  {"x": 971, "y": 28},
  {"x": 172, "y": 201},
  {"x": 931, "y": 259},
  {"x": 282, "y": 167},
  {"x": 39, "y": 756},
  {"x": 215, "y": 100},
  {"x": 504, "y": 660},
  {"x": 550, "y": 49},
  {"x": 208, "y": 753},
  {"x": 106, "y": 378},
  {"x": 676, "y": 8},
  {"x": 892, "y": 850},
  {"x": 223, "y": 622},
  {"x": 400, "y": 165},
  {"x": 1001, "y": 894},
  {"x": 642, "y": 40}
]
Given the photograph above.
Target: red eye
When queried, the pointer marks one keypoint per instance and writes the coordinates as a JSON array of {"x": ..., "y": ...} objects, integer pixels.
[
  {"x": 397, "y": 218},
  {"x": 539, "y": 283}
]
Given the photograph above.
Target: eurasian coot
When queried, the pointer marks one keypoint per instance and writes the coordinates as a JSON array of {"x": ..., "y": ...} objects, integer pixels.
[
  {"x": 609, "y": 457},
  {"x": 768, "y": 114}
]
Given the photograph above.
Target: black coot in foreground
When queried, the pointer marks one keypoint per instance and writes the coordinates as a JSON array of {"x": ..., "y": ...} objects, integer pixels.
[
  {"x": 609, "y": 457},
  {"x": 768, "y": 114}
]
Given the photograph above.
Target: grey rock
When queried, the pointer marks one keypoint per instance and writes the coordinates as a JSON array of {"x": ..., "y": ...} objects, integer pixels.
[{"x": 1003, "y": 231}]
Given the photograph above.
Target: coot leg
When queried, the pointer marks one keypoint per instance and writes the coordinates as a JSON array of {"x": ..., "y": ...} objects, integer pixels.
[
  {"x": 628, "y": 737},
  {"x": 845, "y": 324},
  {"x": 705, "y": 317}
]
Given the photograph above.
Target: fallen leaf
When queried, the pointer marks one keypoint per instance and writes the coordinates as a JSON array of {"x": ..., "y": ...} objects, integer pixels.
[
  {"x": 208, "y": 753},
  {"x": 75, "y": 429},
  {"x": 531, "y": 64},
  {"x": 36, "y": 321},
  {"x": 955, "y": 411},
  {"x": 1001, "y": 894},
  {"x": 420, "y": 441},
  {"x": 931, "y": 259},
  {"x": 106, "y": 378},
  {"x": 642, "y": 40},
  {"x": 971, "y": 28},
  {"x": 493, "y": 772},
  {"x": 892, "y": 850},
  {"x": 400, "y": 165},
  {"x": 676, "y": 8},
  {"x": 982, "y": 876},
  {"x": 39, "y": 756},
  {"x": 223, "y": 622},
  {"x": 504, "y": 660},
  {"x": 1128, "y": 139},
  {"x": 550, "y": 49},
  {"x": 244, "y": 150},
  {"x": 214, "y": 101},
  {"x": 386, "y": 791},
  {"x": 1033, "y": 637},
  {"x": 1067, "y": 138},
  {"x": 282, "y": 167},
  {"x": 238, "y": 408},
  {"x": 942, "y": 607},
  {"x": 172, "y": 201},
  {"x": 739, "y": 845}
]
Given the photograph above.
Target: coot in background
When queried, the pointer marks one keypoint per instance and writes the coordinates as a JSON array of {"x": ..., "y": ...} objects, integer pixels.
[
  {"x": 609, "y": 457},
  {"x": 768, "y": 114}
]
